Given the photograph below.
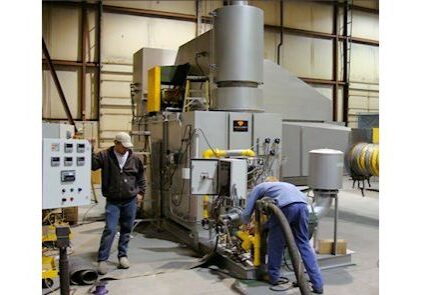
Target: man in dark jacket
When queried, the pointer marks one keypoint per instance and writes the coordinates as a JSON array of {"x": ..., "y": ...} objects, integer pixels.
[{"x": 123, "y": 185}]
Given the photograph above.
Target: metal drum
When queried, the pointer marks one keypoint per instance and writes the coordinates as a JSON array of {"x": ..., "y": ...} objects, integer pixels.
[{"x": 325, "y": 169}]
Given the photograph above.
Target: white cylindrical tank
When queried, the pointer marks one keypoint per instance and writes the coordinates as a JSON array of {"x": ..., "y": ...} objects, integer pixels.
[{"x": 325, "y": 169}]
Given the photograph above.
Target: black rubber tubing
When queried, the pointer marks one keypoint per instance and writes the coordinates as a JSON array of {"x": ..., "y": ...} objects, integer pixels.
[{"x": 292, "y": 246}]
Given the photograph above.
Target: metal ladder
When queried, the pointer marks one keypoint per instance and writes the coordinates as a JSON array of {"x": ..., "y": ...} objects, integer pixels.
[{"x": 189, "y": 99}]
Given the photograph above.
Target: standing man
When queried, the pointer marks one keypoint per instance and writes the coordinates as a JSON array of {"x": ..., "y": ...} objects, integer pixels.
[
  {"x": 123, "y": 185},
  {"x": 293, "y": 204}
]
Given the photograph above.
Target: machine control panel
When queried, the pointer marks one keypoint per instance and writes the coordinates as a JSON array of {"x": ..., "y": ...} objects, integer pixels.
[{"x": 66, "y": 173}]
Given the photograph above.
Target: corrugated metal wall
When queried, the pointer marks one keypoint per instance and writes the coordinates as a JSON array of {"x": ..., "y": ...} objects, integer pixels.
[{"x": 122, "y": 35}]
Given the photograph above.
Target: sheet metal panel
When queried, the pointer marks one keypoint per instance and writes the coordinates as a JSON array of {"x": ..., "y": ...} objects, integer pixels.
[{"x": 240, "y": 126}]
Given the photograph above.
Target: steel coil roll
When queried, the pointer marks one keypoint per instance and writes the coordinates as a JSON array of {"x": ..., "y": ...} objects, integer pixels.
[{"x": 363, "y": 159}]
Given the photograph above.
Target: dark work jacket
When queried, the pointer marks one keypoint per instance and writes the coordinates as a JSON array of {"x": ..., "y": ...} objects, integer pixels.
[{"x": 119, "y": 184}]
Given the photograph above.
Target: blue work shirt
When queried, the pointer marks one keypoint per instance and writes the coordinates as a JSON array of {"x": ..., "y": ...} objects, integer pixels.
[{"x": 284, "y": 194}]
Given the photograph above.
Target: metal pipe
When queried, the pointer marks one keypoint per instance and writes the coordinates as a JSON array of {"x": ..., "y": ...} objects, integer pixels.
[
  {"x": 84, "y": 36},
  {"x": 234, "y": 2},
  {"x": 322, "y": 204},
  {"x": 281, "y": 31}
]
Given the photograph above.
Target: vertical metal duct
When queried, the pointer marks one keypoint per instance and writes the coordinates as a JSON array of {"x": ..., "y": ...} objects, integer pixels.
[
  {"x": 238, "y": 30},
  {"x": 236, "y": 2}
]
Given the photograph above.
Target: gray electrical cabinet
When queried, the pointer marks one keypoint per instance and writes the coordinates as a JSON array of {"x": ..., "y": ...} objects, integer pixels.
[{"x": 66, "y": 173}]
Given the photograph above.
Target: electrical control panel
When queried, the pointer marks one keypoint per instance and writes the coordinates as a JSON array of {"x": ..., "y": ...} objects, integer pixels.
[
  {"x": 204, "y": 176},
  {"x": 66, "y": 173}
]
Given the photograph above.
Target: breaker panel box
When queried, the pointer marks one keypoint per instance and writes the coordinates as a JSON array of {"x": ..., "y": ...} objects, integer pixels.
[{"x": 66, "y": 173}]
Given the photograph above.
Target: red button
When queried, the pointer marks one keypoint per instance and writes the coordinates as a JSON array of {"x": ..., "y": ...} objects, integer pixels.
[{"x": 71, "y": 199}]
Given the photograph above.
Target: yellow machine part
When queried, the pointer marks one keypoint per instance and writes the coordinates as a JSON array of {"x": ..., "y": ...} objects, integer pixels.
[
  {"x": 206, "y": 207},
  {"x": 249, "y": 241},
  {"x": 49, "y": 233},
  {"x": 209, "y": 153},
  {"x": 154, "y": 90},
  {"x": 376, "y": 135},
  {"x": 49, "y": 269}
]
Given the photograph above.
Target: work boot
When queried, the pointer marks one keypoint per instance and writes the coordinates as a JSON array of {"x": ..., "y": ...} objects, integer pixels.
[
  {"x": 102, "y": 267},
  {"x": 317, "y": 290},
  {"x": 124, "y": 263}
]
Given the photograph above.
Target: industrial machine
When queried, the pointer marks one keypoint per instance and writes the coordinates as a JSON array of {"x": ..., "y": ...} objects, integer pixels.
[{"x": 246, "y": 119}]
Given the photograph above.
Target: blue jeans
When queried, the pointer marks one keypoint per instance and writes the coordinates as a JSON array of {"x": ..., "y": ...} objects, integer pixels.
[
  {"x": 297, "y": 215},
  {"x": 122, "y": 214}
]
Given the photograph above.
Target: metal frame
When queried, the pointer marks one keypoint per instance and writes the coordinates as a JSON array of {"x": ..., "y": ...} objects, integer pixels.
[{"x": 335, "y": 36}]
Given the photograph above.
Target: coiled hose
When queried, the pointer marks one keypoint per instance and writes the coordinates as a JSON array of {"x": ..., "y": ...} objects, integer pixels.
[
  {"x": 266, "y": 204},
  {"x": 363, "y": 159}
]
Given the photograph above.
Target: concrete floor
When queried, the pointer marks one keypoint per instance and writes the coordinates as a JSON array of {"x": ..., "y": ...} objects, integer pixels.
[{"x": 162, "y": 266}]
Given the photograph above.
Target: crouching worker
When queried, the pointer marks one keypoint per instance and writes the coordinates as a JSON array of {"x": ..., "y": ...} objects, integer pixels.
[
  {"x": 293, "y": 204},
  {"x": 123, "y": 185}
]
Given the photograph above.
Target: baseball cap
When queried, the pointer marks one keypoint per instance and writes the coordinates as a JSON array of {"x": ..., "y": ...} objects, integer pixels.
[{"x": 124, "y": 138}]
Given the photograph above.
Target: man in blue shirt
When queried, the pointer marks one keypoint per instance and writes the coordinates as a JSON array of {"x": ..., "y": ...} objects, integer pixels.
[{"x": 293, "y": 204}]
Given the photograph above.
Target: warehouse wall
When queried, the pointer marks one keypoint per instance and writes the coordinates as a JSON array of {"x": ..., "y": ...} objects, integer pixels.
[{"x": 122, "y": 35}]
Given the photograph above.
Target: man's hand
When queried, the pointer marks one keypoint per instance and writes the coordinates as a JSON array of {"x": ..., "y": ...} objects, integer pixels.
[
  {"x": 139, "y": 199},
  {"x": 92, "y": 141}
]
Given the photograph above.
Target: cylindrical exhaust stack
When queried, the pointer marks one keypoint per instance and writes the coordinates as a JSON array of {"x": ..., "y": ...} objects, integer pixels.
[
  {"x": 325, "y": 169},
  {"x": 238, "y": 30},
  {"x": 325, "y": 177}
]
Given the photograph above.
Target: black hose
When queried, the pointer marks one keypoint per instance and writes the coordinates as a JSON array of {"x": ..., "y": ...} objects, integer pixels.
[{"x": 292, "y": 246}]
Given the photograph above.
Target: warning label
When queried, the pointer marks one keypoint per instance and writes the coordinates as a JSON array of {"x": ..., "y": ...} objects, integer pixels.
[{"x": 240, "y": 126}]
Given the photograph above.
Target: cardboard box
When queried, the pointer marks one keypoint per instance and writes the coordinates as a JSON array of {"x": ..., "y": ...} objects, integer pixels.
[{"x": 326, "y": 246}]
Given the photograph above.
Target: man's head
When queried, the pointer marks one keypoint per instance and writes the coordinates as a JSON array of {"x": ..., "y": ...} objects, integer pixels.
[
  {"x": 122, "y": 142},
  {"x": 271, "y": 179}
]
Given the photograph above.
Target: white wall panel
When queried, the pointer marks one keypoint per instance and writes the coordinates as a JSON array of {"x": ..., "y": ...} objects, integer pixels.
[
  {"x": 209, "y": 6},
  {"x": 364, "y": 63},
  {"x": 115, "y": 123},
  {"x": 307, "y": 57},
  {"x": 52, "y": 106},
  {"x": 60, "y": 30},
  {"x": 367, "y": 3},
  {"x": 185, "y": 7},
  {"x": 271, "y": 40},
  {"x": 365, "y": 25},
  {"x": 271, "y": 10},
  {"x": 123, "y": 35},
  {"x": 115, "y": 89},
  {"x": 308, "y": 16}
]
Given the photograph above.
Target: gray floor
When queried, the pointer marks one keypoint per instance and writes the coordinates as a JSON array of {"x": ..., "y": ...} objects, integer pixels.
[{"x": 162, "y": 266}]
